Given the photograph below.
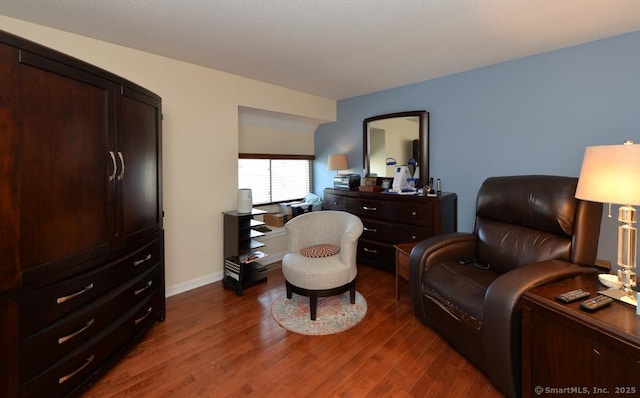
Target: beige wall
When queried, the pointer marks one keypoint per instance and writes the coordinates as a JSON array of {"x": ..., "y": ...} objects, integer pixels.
[{"x": 200, "y": 140}]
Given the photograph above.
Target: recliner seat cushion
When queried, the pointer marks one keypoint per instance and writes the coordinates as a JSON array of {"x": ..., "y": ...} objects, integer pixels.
[{"x": 459, "y": 289}]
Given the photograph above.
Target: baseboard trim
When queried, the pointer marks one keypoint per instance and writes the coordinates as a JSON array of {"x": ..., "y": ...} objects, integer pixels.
[{"x": 215, "y": 277}]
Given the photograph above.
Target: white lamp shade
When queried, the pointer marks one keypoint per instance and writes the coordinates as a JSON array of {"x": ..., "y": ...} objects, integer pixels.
[
  {"x": 337, "y": 162},
  {"x": 610, "y": 174}
]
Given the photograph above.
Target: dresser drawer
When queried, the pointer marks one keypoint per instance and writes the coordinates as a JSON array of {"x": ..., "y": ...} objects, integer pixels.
[
  {"x": 334, "y": 202},
  {"x": 64, "y": 376},
  {"x": 403, "y": 212},
  {"x": 58, "y": 300},
  {"x": 41, "y": 350},
  {"x": 392, "y": 233},
  {"x": 377, "y": 253}
]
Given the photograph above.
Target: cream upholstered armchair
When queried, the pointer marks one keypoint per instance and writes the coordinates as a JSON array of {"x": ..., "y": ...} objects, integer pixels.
[{"x": 321, "y": 257}]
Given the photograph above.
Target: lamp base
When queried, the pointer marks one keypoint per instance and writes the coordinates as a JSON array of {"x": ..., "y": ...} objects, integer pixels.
[{"x": 617, "y": 294}]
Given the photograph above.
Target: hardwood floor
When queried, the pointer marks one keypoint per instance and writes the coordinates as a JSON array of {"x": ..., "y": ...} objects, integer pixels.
[{"x": 215, "y": 344}]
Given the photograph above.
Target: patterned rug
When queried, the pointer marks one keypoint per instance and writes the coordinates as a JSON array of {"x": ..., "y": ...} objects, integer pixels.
[{"x": 334, "y": 314}]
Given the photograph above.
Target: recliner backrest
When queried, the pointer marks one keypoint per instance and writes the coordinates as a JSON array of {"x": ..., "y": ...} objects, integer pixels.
[{"x": 526, "y": 219}]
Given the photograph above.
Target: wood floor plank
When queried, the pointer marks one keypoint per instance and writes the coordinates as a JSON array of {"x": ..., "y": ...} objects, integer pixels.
[{"x": 216, "y": 344}]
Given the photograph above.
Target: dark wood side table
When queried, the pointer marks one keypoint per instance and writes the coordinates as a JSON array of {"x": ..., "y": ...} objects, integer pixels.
[
  {"x": 568, "y": 351},
  {"x": 403, "y": 250}
]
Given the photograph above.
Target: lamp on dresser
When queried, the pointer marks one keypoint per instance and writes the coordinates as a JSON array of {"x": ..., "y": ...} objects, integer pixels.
[
  {"x": 337, "y": 162},
  {"x": 611, "y": 174}
]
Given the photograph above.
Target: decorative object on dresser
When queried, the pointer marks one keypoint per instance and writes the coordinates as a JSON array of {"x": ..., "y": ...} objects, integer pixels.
[
  {"x": 82, "y": 271},
  {"x": 568, "y": 350},
  {"x": 611, "y": 174},
  {"x": 528, "y": 230},
  {"x": 391, "y": 219},
  {"x": 241, "y": 268}
]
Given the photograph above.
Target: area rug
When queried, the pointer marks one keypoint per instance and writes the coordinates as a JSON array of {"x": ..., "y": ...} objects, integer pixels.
[{"x": 334, "y": 314}]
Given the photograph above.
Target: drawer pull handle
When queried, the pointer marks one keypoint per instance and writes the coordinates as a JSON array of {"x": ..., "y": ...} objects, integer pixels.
[
  {"x": 142, "y": 318},
  {"x": 370, "y": 229},
  {"x": 138, "y": 262},
  {"x": 146, "y": 286},
  {"x": 371, "y": 251},
  {"x": 61, "y": 300},
  {"x": 115, "y": 168},
  {"x": 369, "y": 208},
  {"x": 121, "y": 175},
  {"x": 74, "y": 334},
  {"x": 70, "y": 375}
]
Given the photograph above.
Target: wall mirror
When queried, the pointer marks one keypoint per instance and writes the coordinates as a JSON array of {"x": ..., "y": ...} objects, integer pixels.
[{"x": 400, "y": 136}]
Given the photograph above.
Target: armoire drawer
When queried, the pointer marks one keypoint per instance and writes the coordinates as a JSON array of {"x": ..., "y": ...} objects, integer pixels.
[
  {"x": 393, "y": 233},
  {"x": 408, "y": 213},
  {"x": 56, "y": 301},
  {"x": 65, "y": 375},
  {"x": 41, "y": 350}
]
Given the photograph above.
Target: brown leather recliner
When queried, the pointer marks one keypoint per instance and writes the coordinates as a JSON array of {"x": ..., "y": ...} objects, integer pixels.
[{"x": 529, "y": 230}]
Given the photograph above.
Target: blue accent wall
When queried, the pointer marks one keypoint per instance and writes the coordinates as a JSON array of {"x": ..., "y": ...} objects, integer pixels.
[{"x": 533, "y": 115}]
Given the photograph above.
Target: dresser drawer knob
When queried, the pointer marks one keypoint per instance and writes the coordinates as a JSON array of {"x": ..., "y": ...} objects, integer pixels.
[
  {"x": 70, "y": 375},
  {"x": 369, "y": 208},
  {"x": 74, "y": 334},
  {"x": 370, "y": 229},
  {"x": 413, "y": 237},
  {"x": 138, "y": 262},
  {"x": 142, "y": 318},
  {"x": 61, "y": 300},
  {"x": 146, "y": 286},
  {"x": 413, "y": 213}
]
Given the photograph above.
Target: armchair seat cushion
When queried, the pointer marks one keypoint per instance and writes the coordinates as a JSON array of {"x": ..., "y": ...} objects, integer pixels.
[
  {"x": 315, "y": 273},
  {"x": 459, "y": 289},
  {"x": 321, "y": 250}
]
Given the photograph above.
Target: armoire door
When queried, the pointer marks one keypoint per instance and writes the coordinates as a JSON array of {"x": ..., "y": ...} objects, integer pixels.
[
  {"x": 138, "y": 151},
  {"x": 65, "y": 196}
]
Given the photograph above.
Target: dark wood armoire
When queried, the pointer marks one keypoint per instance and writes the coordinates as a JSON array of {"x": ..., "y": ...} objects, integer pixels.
[{"x": 81, "y": 235}]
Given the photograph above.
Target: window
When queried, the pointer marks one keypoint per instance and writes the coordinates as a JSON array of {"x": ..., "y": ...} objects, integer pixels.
[{"x": 275, "y": 178}]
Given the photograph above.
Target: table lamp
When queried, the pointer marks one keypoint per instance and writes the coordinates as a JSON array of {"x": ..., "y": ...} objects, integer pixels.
[
  {"x": 338, "y": 162},
  {"x": 611, "y": 174}
]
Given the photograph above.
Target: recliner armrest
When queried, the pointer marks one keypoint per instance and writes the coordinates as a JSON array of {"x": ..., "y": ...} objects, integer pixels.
[
  {"x": 501, "y": 320},
  {"x": 445, "y": 247}
]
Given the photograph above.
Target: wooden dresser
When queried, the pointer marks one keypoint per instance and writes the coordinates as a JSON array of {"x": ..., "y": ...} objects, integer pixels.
[
  {"x": 390, "y": 219},
  {"x": 81, "y": 234}
]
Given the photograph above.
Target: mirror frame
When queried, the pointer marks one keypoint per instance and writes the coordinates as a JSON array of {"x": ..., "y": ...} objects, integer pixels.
[{"x": 423, "y": 140}]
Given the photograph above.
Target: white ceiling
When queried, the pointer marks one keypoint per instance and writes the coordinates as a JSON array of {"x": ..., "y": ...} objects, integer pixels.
[{"x": 337, "y": 48}]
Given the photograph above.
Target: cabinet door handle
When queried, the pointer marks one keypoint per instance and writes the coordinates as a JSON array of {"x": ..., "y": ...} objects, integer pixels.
[
  {"x": 74, "y": 334},
  {"x": 121, "y": 157},
  {"x": 61, "y": 300},
  {"x": 370, "y": 250},
  {"x": 370, "y": 229},
  {"x": 115, "y": 167},
  {"x": 369, "y": 208},
  {"x": 70, "y": 375},
  {"x": 142, "y": 289},
  {"x": 142, "y": 318},
  {"x": 138, "y": 262}
]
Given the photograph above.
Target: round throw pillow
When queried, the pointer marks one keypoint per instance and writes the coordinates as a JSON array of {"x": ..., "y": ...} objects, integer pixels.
[{"x": 321, "y": 250}]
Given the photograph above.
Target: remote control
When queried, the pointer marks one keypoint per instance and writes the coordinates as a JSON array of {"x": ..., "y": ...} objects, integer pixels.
[
  {"x": 574, "y": 295},
  {"x": 596, "y": 303}
]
